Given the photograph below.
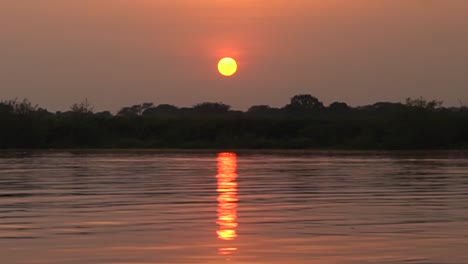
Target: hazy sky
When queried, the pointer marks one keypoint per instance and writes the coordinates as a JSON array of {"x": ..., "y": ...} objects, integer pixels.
[{"x": 123, "y": 52}]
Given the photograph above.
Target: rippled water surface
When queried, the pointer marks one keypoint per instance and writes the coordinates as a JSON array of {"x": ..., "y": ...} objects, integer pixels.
[{"x": 142, "y": 207}]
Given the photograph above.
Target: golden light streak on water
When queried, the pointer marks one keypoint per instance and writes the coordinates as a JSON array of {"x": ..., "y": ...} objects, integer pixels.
[{"x": 227, "y": 200}]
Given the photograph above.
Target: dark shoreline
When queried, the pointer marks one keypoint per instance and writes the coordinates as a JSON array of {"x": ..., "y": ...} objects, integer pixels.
[
  {"x": 312, "y": 152},
  {"x": 304, "y": 124}
]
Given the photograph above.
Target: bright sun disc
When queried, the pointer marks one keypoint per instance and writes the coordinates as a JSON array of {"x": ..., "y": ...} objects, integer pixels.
[{"x": 227, "y": 66}]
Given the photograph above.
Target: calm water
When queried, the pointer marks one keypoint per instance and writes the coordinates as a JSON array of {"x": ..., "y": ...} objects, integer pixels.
[{"x": 132, "y": 207}]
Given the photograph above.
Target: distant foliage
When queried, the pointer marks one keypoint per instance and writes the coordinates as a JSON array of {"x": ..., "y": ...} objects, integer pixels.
[
  {"x": 83, "y": 107},
  {"x": 213, "y": 108},
  {"x": 135, "y": 110},
  {"x": 23, "y": 107},
  {"x": 339, "y": 107},
  {"x": 305, "y": 122},
  {"x": 263, "y": 110},
  {"x": 305, "y": 103},
  {"x": 423, "y": 104},
  {"x": 162, "y": 109}
]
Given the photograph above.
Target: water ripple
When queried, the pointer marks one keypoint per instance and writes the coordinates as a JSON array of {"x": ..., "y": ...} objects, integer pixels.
[{"x": 262, "y": 207}]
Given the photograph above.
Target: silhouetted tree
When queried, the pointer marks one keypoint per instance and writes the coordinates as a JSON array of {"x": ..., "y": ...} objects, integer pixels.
[
  {"x": 304, "y": 103},
  {"x": 84, "y": 107},
  {"x": 21, "y": 108},
  {"x": 339, "y": 107},
  {"x": 162, "y": 109},
  {"x": 422, "y": 103},
  {"x": 209, "y": 107},
  {"x": 134, "y": 110}
]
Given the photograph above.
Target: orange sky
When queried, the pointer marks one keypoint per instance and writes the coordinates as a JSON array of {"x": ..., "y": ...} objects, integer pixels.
[{"x": 123, "y": 52}]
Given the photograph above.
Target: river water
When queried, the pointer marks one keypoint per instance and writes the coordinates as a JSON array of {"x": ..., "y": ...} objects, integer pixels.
[{"x": 185, "y": 207}]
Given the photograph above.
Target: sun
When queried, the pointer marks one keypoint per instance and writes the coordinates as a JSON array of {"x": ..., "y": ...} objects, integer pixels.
[{"x": 227, "y": 66}]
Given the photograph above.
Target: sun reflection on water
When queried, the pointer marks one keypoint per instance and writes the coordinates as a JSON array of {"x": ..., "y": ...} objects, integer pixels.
[{"x": 227, "y": 200}]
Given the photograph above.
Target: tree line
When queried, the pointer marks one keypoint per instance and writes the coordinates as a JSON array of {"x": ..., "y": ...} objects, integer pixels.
[{"x": 304, "y": 123}]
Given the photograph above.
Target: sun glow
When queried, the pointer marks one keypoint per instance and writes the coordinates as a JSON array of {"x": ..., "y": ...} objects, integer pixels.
[
  {"x": 227, "y": 66},
  {"x": 227, "y": 199}
]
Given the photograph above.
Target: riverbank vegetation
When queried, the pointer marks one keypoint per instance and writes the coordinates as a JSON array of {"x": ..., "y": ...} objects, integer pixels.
[{"x": 304, "y": 123}]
